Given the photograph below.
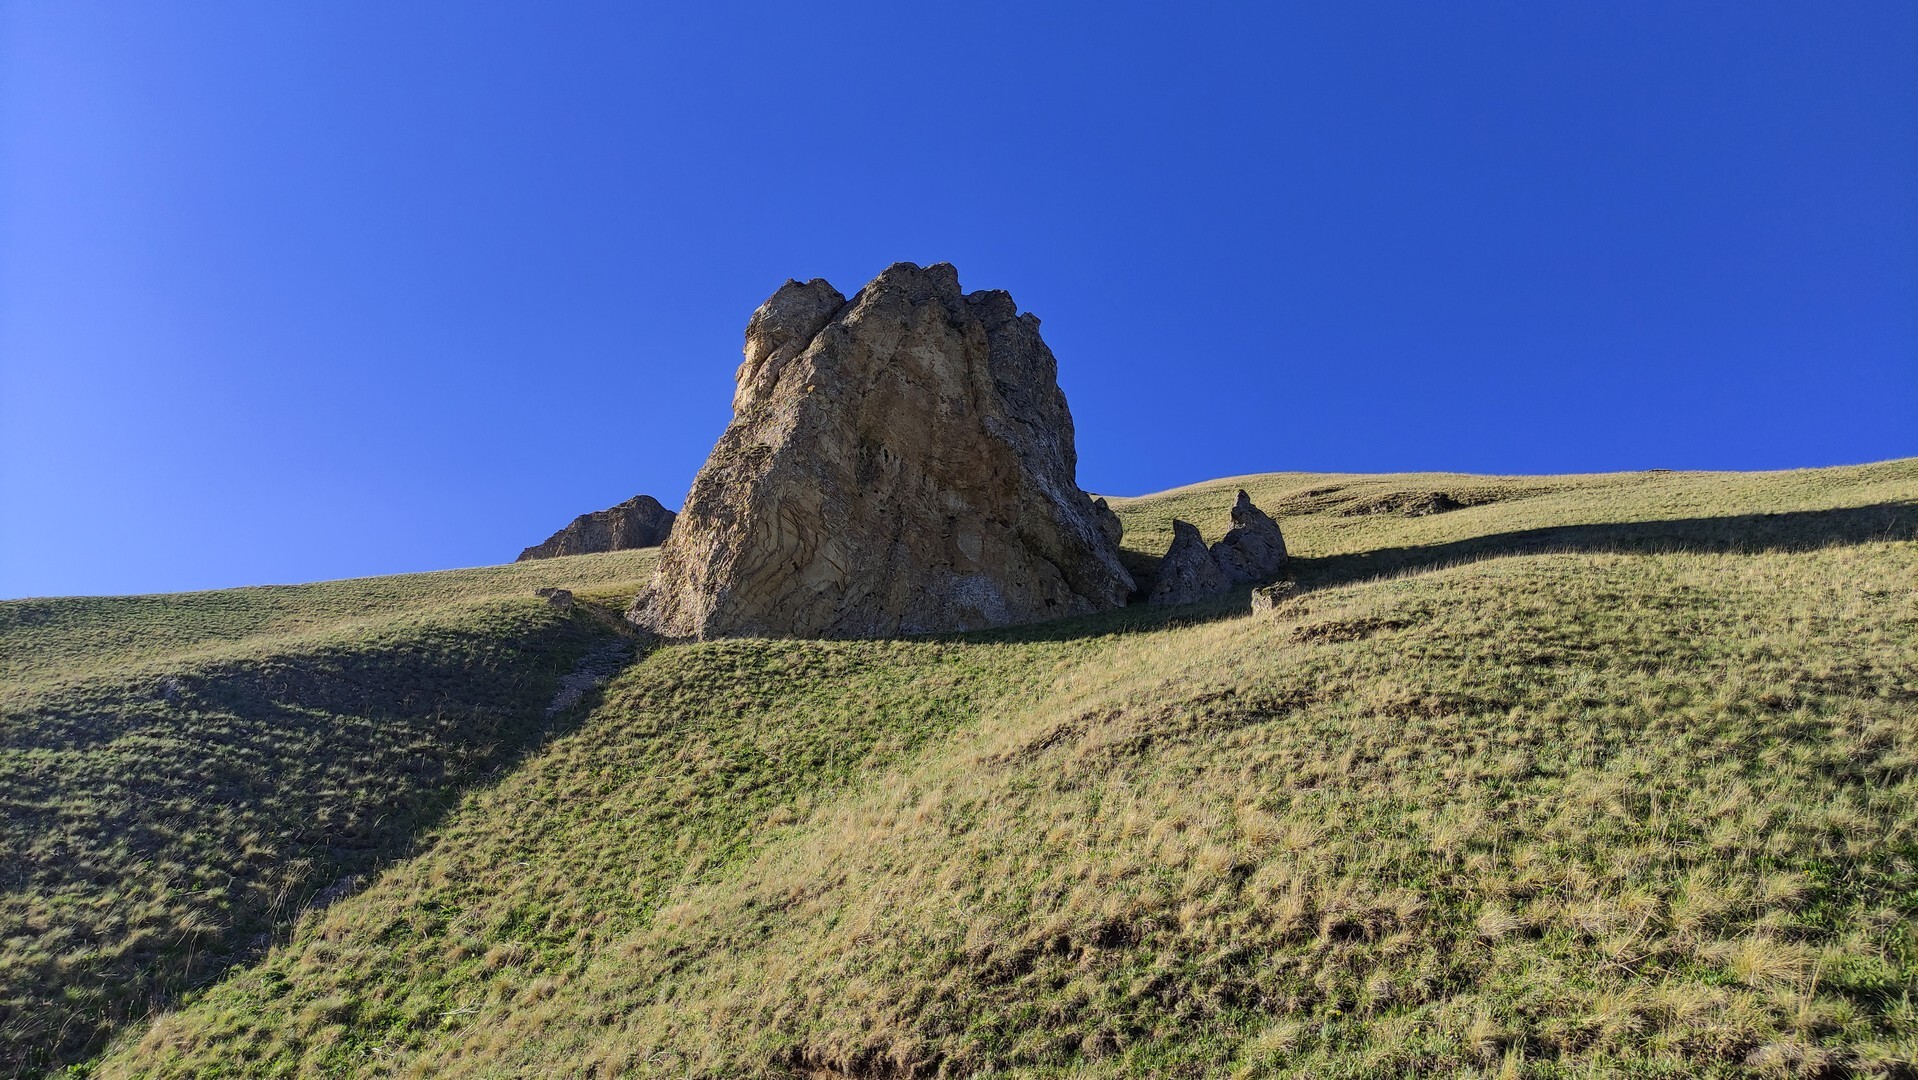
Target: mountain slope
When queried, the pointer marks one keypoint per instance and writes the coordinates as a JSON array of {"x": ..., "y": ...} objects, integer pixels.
[{"x": 1638, "y": 798}]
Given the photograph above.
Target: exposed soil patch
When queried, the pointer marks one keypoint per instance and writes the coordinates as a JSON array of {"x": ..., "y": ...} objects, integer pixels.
[
  {"x": 336, "y": 892},
  {"x": 1427, "y": 503},
  {"x": 1345, "y": 629},
  {"x": 595, "y": 669},
  {"x": 1310, "y": 501},
  {"x": 1059, "y": 734},
  {"x": 1406, "y": 503},
  {"x": 866, "y": 1065},
  {"x": 1365, "y": 500}
]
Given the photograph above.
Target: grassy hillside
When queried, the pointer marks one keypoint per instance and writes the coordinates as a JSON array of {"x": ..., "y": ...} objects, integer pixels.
[
  {"x": 1639, "y": 798},
  {"x": 78, "y": 638},
  {"x": 180, "y": 775},
  {"x": 1350, "y": 527}
]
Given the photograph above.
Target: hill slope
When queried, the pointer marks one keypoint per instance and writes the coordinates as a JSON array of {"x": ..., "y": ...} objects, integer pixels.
[
  {"x": 180, "y": 775},
  {"x": 1638, "y": 797}
]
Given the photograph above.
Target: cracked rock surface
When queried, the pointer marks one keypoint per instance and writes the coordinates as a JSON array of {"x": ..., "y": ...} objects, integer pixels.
[{"x": 898, "y": 463}]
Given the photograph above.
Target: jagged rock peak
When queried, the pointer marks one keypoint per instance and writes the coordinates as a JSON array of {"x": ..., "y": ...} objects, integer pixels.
[
  {"x": 899, "y": 462},
  {"x": 1254, "y": 549},
  {"x": 1188, "y": 572},
  {"x": 636, "y": 523}
]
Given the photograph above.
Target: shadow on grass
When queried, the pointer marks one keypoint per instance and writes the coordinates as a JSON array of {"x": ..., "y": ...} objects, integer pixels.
[
  {"x": 155, "y": 831},
  {"x": 1799, "y": 530}
]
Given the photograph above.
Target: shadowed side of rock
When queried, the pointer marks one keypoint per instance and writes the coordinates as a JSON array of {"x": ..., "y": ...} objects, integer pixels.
[
  {"x": 1108, "y": 520},
  {"x": 898, "y": 463},
  {"x": 1254, "y": 549},
  {"x": 1188, "y": 573},
  {"x": 638, "y": 522}
]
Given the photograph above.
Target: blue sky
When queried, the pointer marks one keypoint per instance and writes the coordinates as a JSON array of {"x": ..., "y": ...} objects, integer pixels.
[{"x": 294, "y": 291}]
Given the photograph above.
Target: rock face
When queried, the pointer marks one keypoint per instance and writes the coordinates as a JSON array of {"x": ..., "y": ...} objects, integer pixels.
[
  {"x": 1188, "y": 573},
  {"x": 1254, "y": 549},
  {"x": 897, "y": 463},
  {"x": 1109, "y": 522},
  {"x": 636, "y": 523}
]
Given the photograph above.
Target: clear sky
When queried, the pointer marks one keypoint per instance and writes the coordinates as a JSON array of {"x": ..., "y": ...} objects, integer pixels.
[{"x": 292, "y": 291}]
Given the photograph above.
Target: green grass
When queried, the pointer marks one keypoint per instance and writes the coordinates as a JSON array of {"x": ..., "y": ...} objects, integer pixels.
[
  {"x": 1351, "y": 527},
  {"x": 180, "y": 775},
  {"x": 79, "y": 637},
  {"x": 1637, "y": 797}
]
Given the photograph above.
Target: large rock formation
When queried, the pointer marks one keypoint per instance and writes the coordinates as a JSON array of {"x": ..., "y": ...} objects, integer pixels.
[
  {"x": 1254, "y": 549},
  {"x": 636, "y": 523},
  {"x": 897, "y": 463}
]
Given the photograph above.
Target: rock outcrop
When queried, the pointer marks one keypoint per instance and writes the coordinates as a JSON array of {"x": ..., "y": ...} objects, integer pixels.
[
  {"x": 898, "y": 463},
  {"x": 1254, "y": 549},
  {"x": 636, "y": 523},
  {"x": 1188, "y": 573}
]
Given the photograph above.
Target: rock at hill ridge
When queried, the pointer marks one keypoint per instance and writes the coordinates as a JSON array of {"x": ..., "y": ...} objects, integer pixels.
[
  {"x": 1188, "y": 573},
  {"x": 898, "y": 463},
  {"x": 638, "y": 522},
  {"x": 1254, "y": 549}
]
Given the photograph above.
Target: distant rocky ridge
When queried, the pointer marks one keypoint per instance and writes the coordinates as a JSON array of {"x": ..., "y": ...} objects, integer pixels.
[
  {"x": 638, "y": 522},
  {"x": 900, "y": 462}
]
